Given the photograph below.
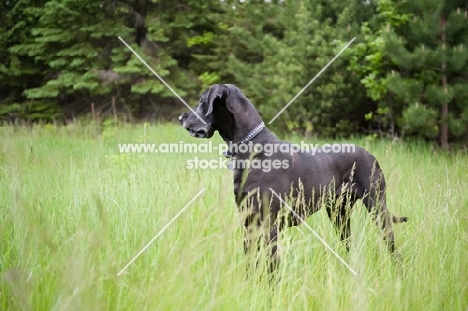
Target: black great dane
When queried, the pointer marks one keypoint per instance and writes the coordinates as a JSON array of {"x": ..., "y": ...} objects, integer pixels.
[{"x": 304, "y": 181}]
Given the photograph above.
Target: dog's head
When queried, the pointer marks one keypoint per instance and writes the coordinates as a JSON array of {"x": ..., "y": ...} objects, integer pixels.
[{"x": 210, "y": 114}]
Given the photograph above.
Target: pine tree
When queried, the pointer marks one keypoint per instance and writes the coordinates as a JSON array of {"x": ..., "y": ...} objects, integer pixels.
[
  {"x": 72, "y": 40},
  {"x": 19, "y": 72},
  {"x": 431, "y": 54},
  {"x": 236, "y": 44},
  {"x": 368, "y": 60},
  {"x": 167, "y": 38},
  {"x": 72, "y": 49},
  {"x": 308, "y": 42}
]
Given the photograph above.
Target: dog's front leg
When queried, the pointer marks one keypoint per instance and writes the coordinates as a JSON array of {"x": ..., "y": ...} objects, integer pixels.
[
  {"x": 252, "y": 241},
  {"x": 252, "y": 245}
]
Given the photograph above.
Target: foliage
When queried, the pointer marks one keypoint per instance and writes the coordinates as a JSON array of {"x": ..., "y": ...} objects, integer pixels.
[
  {"x": 63, "y": 59},
  {"x": 368, "y": 60},
  {"x": 431, "y": 57}
]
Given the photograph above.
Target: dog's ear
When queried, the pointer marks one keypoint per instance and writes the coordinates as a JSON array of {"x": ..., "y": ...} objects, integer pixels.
[{"x": 216, "y": 92}]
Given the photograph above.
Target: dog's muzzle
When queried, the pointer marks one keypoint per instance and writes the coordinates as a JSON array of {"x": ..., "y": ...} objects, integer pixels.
[
  {"x": 195, "y": 131},
  {"x": 198, "y": 134}
]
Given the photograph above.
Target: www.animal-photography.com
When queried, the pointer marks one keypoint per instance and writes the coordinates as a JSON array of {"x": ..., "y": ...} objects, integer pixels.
[{"x": 234, "y": 155}]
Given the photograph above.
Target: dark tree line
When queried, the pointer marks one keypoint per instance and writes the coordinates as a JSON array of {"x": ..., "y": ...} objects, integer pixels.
[{"x": 405, "y": 74}]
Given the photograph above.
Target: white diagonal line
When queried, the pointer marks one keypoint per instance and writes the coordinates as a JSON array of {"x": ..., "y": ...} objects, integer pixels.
[
  {"x": 313, "y": 79},
  {"x": 315, "y": 233},
  {"x": 161, "y": 79},
  {"x": 160, "y": 232}
]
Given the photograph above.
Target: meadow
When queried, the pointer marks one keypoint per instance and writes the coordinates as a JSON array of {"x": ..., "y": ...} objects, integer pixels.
[{"x": 74, "y": 212}]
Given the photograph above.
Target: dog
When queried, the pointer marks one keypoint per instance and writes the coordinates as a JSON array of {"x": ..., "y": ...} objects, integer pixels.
[{"x": 307, "y": 181}]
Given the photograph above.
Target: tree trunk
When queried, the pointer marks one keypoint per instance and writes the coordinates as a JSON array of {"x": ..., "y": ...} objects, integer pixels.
[
  {"x": 140, "y": 22},
  {"x": 444, "y": 126},
  {"x": 114, "y": 110}
]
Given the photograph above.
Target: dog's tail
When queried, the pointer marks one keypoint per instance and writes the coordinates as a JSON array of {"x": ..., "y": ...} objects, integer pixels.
[{"x": 399, "y": 220}]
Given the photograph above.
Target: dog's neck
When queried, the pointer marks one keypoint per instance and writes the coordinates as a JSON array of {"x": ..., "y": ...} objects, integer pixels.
[
  {"x": 239, "y": 130},
  {"x": 245, "y": 133},
  {"x": 241, "y": 123}
]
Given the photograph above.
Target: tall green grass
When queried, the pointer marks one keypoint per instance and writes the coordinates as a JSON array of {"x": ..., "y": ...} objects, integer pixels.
[{"x": 74, "y": 212}]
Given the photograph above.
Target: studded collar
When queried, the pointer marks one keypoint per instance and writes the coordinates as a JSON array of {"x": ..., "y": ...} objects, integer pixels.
[{"x": 229, "y": 154}]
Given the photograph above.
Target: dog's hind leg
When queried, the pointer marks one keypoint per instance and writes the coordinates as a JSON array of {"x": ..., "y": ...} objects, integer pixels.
[
  {"x": 339, "y": 211},
  {"x": 373, "y": 197},
  {"x": 260, "y": 226}
]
